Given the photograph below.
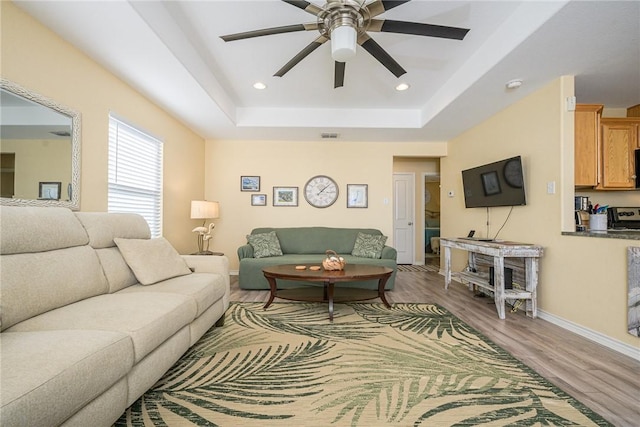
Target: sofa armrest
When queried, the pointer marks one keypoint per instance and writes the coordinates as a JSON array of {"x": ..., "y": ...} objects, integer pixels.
[
  {"x": 211, "y": 264},
  {"x": 389, "y": 253},
  {"x": 245, "y": 251},
  {"x": 208, "y": 264}
]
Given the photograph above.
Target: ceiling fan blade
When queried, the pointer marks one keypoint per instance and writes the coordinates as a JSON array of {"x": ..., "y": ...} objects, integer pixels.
[
  {"x": 379, "y": 7},
  {"x": 304, "y": 5},
  {"x": 381, "y": 55},
  {"x": 338, "y": 80},
  {"x": 270, "y": 31},
  {"x": 418, "y": 29},
  {"x": 301, "y": 55}
]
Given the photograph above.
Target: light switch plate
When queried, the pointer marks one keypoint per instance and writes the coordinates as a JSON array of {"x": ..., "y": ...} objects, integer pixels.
[
  {"x": 551, "y": 187},
  {"x": 571, "y": 103}
]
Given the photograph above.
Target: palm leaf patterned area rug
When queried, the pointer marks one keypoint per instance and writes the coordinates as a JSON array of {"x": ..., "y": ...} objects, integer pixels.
[{"x": 411, "y": 365}]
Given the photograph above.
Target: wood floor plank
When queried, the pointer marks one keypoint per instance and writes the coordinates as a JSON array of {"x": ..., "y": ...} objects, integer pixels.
[{"x": 604, "y": 380}]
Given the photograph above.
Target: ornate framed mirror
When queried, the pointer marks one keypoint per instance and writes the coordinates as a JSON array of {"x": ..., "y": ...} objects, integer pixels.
[{"x": 39, "y": 149}]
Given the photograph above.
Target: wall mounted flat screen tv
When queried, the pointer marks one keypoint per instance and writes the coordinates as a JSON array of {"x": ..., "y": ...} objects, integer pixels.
[{"x": 499, "y": 183}]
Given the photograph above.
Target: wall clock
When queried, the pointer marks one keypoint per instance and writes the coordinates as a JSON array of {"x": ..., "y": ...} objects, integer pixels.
[
  {"x": 513, "y": 173},
  {"x": 321, "y": 191}
]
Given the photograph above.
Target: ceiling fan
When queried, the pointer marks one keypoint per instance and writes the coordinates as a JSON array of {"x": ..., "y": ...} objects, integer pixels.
[{"x": 347, "y": 23}]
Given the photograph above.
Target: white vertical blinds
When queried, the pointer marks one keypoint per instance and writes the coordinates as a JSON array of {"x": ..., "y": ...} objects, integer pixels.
[{"x": 135, "y": 173}]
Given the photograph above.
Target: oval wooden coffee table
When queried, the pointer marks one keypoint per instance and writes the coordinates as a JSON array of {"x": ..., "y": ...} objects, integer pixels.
[{"x": 329, "y": 280}]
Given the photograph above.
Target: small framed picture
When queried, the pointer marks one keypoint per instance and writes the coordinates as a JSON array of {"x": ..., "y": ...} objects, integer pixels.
[
  {"x": 357, "y": 195},
  {"x": 258, "y": 200},
  {"x": 249, "y": 183},
  {"x": 491, "y": 183},
  {"x": 49, "y": 190},
  {"x": 285, "y": 196}
]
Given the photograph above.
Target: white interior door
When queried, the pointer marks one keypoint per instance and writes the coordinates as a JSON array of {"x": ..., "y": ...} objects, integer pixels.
[{"x": 403, "y": 216}]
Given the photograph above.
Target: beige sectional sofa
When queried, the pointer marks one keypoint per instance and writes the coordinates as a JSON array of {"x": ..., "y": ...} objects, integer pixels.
[{"x": 82, "y": 338}]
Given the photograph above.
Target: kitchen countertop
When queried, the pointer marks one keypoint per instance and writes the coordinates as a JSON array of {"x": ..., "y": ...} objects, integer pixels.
[{"x": 609, "y": 234}]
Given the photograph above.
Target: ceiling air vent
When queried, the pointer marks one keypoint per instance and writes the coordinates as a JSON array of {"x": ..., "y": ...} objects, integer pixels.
[{"x": 329, "y": 135}]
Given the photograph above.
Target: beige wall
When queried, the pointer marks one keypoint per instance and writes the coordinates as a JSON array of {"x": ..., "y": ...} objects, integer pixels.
[
  {"x": 39, "y": 60},
  {"x": 292, "y": 164},
  {"x": 432, "y": 208},
  {"x": 582, "y": 280},
  {"x": 39, "y": 160}
]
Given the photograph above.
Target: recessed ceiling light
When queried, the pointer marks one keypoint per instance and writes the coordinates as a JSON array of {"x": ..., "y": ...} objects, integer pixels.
[
  {"x": 259, "y": 85},
  {"x": 514, "y": 84},
  {"x": 402, "y": 86}
]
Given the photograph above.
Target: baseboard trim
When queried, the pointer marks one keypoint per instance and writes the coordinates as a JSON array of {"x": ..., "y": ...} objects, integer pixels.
[{"x": 613, "y": 344}]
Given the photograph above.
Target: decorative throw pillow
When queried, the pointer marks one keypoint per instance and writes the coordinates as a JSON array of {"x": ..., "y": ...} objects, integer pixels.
[
  {"x": 369, "y": 245},
  {"x": 152, "y": 260},
  {"x": 265, "y": 244}
]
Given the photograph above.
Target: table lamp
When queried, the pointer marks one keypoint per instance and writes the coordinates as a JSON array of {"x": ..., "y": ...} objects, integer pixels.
[{"x": 203, "y": 209}]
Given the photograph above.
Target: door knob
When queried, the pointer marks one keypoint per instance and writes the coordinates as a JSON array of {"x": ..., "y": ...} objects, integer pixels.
[{"x": 410, "y": 223}]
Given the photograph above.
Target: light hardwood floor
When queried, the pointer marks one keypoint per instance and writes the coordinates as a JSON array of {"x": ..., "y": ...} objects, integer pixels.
[{"x": 604, "y": 380}]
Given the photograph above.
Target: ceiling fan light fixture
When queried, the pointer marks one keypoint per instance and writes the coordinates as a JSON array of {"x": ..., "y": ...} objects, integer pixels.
[
  {"x": 347, "y": 23},
  {"x": 343, "y": 43},
  {"x": 402, "y": 87},
  {"x": 259, "y": 85}
]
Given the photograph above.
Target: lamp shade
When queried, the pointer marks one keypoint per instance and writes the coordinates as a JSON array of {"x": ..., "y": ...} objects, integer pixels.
[
  {"x": 343, "y": 43},
  {"x": 203, "y": 209}
]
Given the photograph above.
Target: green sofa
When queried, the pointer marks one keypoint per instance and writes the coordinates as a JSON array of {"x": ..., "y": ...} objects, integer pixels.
[{"x": 308, "y": 245}]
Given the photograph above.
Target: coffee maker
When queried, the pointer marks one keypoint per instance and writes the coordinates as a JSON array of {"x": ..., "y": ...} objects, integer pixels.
[{"x": 582, "y": 213}]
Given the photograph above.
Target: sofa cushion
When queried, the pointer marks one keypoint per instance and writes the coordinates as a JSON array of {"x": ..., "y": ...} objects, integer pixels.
[
  {"x": 369, "y": 245},
  {"x": 265, "y": 244},
  {"x": 61, "y": 371},
  {"x": 204, "y": 288},
  {"x": 33, "y": 283},
  {"x": 39, "y": 229},
  {"x": 149, "y": 318},
  {"x": 103, "y": 227},
  {"x": 152, "y": 260}
]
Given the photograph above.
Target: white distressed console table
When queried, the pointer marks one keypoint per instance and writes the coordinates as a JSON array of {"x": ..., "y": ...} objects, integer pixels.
[{"x": 499, "y": 250}]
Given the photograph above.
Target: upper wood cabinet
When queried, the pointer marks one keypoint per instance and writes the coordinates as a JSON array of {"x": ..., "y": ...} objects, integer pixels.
[
  {"x": 587, "y": 138},
  {"x": 604, "y": 149},
  {"x": 619, "y": 140}
]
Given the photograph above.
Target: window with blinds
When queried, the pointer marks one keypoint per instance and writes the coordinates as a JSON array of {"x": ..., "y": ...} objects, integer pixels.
[{"x": 135, "y": 173}]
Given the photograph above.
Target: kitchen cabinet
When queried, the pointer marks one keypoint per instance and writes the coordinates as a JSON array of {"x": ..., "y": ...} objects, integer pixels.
[
  {"x": 618, "y": 141},
  {"x": 604, "y": 149},
  {"x": 587, "y": 138}
]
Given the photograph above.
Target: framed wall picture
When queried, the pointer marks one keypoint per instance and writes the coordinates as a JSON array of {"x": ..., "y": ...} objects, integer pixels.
[
  {"x": 258, "y": 200},
  {"x": 249, "y": 183},
  {"x": 357, "y": 195},
  {"x": 285, "y": 196},
  {"x": 49, "y": 190}
]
